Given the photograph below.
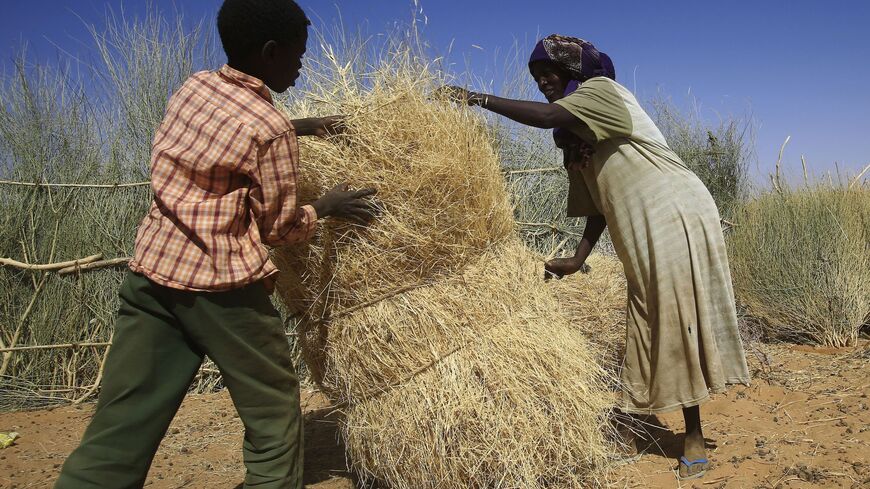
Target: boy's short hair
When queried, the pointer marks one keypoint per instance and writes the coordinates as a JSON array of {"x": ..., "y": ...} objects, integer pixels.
[{"x": 245, "y": 25}]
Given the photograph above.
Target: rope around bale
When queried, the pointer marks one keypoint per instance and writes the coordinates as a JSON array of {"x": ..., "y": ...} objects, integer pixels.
[
  {"x": 369, "y": 303},
  {"x": 375, "y": 393},
  {"x": 367, "y": 396}
]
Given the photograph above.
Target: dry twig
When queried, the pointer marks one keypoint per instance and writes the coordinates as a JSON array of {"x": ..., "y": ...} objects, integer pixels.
[
  {"x": 48, "y": 267},
  {"x": 94, "y": 265}
]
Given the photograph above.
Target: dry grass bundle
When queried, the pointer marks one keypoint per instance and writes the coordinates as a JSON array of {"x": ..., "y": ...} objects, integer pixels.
[
  {"x": 452, "y": 360},
  {"x": 439, "y": 184},
  {"x": 801, "y": 262},
  {"x": 478, "y": 380}
]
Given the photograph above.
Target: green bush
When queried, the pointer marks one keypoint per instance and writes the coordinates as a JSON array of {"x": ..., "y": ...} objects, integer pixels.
[
  {"x": 800, "y": 261},
  {"x": 55, "y": 128},
  {"x": 718, "y": 153}
]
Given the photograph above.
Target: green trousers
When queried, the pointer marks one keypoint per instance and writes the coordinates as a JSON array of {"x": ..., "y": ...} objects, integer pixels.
[{"x": 160, "y": 338}]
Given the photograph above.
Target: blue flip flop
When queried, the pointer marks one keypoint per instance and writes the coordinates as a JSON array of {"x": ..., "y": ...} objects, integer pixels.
[{"x": 684, "y": 461}]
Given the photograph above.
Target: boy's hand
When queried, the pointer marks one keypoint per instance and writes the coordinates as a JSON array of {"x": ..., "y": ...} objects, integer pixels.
[
  {"x": 352, "y": 205},
  {"x": 320, "y": 126},
  {"x": 559, "y": 267},
  {"x": 331, "y": 125}
]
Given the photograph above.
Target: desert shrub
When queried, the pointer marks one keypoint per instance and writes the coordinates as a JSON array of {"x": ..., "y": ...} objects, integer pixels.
[
  {"x": 718, "y": 153},
  {"x": 57, "y": 127},
  {"x": 800, "y": 260}
]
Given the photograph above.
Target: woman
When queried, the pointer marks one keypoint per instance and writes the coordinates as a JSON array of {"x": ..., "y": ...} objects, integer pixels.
[{"x": 682, "y": 341}]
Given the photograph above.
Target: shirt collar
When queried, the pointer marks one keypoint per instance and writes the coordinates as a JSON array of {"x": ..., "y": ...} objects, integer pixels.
[{"x": 250, "y": 82}]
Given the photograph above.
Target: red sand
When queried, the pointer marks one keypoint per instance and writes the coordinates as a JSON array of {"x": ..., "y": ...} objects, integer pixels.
[{"x": 804, "y": 423}]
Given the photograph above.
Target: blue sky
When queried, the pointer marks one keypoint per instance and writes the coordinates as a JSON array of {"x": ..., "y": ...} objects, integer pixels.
[{"x": 798, "y": 68}]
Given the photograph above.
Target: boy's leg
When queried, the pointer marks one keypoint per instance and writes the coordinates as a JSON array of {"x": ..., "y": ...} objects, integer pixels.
[
  {"x": 243, "y": 334},
  {"x": 148, "y": 371}
]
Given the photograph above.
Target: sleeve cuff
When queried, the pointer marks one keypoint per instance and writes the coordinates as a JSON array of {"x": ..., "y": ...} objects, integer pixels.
[
  {"x": 310, "y": 220},
  {"x": 310, "y": 212}
]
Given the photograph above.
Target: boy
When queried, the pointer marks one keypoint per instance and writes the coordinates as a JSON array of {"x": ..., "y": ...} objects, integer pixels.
[{"x": 223, "y": 165}]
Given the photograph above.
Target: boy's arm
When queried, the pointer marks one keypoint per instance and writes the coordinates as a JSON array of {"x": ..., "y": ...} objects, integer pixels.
[
  {"x": 273, "y": 196},
  {"x": 274, "y": 201},
  {"x": 318, "y": 126}
]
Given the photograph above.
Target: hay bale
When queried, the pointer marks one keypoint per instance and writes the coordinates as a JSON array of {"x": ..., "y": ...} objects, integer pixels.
[
  {"x": 438, "y": 180},
  {"x": 488, "y": 386},
  {"x": 451, "y": 359},
  {"x": 477, "y": 380}
]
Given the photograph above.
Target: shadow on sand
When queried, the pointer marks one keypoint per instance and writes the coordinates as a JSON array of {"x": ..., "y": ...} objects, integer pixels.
[
  {"x": 662, "y": 441},
  {"x": 324, "y": 449}
]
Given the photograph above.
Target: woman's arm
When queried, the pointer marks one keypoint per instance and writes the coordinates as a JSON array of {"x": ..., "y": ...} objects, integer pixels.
[
  {"x": 536, "y": 114},
  {"x": 559, "y": 267}
]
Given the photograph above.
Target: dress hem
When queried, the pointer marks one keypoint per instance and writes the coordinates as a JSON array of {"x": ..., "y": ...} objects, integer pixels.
[{"x": 719, "y": 389}]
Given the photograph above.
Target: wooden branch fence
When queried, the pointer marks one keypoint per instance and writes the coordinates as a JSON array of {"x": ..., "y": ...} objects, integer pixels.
[
  {"x": 74, "y": 185},
  {"x": 521, "y": 171}
]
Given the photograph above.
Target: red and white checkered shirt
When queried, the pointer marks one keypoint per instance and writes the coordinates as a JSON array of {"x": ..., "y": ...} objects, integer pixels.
[{"x": 223, "y": 171}]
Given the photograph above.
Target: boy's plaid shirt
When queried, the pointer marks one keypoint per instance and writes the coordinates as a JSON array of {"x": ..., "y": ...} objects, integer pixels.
[{"x": 224, "y": 164}]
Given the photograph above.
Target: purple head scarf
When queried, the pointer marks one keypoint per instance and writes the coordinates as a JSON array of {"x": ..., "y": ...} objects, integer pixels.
[{"x": 581, "y": 60}]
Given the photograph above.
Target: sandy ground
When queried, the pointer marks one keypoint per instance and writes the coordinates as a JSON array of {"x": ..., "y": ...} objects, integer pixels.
[{"x": 803, "y": 424}]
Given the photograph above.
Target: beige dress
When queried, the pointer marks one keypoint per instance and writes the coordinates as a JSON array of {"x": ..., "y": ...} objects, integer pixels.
[{"x": 682, "y": 341}]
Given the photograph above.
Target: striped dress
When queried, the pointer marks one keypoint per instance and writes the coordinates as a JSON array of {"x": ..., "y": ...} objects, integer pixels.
[{"x": 682, "y": 341}]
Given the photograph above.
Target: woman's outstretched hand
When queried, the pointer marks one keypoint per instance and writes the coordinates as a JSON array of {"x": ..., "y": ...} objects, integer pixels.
[{"x": 458, "y": 95}]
